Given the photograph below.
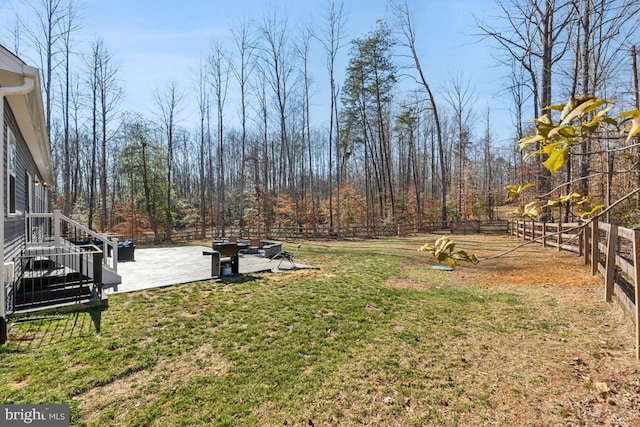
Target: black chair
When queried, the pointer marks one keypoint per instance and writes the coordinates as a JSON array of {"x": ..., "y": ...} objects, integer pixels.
[{"x": 287, "y": 256}]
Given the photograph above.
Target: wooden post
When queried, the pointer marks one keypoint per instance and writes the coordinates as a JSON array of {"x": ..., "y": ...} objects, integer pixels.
[
  {"x": 533, "y": 230},
  {"x": 559, "y": 236},
  {"x": 595, "y": 241},
  {"x": 586, "y": 234},
  {"x": 610, "y": 269},
  {"x": 581, "y": 239},
  {"x": 636, "y": 280},
  {"x": 544, "y": 234}
]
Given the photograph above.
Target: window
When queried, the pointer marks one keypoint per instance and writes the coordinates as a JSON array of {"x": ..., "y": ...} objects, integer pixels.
[
  {"x": 11, "y": 172},
  {"x": 40, "y": 196}
]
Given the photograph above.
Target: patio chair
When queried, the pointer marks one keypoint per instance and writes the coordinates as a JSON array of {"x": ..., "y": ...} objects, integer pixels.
[{"x": 287, "y": 256}]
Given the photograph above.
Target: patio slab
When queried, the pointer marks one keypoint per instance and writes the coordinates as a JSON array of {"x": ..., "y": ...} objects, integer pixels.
[{"x": 158, "y": 267}]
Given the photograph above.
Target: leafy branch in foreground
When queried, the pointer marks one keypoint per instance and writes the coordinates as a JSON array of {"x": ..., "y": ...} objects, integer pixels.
[
  {"x": 443, "y": 249},
  {"x": 580, "y": 118}
]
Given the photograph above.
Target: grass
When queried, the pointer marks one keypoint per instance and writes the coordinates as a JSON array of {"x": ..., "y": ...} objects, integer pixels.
[{"x": 371, "y": 337}]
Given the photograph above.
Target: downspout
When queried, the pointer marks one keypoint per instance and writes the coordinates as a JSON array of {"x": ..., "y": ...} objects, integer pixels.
[{"x": 26, "y": 87}]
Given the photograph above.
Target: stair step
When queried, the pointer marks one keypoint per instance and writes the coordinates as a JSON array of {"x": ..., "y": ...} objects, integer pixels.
[
  {"x": 69, "y": 288},
  {"x": 51, "y": 282},
  {"x": 42, "y": 263},
  {"x": 50, "y": 297}
]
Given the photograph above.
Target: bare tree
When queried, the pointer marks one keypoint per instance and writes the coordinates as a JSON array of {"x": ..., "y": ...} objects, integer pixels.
[
  {"x": 169, "y": 104},
  {"x": 461, "y": 98},
  {"x": 535, "y": 33},
  {"x": 109, "y": 95},
  {"x": 277, "y": 54},
  {"x": 404, "y": 18},
  {"x": 44, "y": 38},
  {"x": 332, "y": 42},
  {"x": 220, "y": 70},
  {"x": 104, "y": 95},
  {"x": 202, "y": 99},
  {"x": 245, "y": 46},
  {"x": 69, "y": 25},
  {"x": 602, "y": 29}
]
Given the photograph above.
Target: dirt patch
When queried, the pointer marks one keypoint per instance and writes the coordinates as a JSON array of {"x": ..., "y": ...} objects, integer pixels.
[
  {"x": 583, "y": 374},
  {"x": 143, "y": 387},
  {"x": 292, "y": 276}
]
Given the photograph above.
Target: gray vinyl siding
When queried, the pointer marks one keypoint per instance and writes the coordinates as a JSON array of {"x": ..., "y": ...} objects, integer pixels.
[{"x": 14, "y": 231}]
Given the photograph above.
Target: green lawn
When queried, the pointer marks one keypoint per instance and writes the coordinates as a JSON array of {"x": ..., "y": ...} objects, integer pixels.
[{"x": 367, "y": 338}]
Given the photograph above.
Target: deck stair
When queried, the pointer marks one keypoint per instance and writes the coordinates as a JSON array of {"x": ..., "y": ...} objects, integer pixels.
[
  {"x": 52, "y": 273},
  {"x": 52, "y": 278}
]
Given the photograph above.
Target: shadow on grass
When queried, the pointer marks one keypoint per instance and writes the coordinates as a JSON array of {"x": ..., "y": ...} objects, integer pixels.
[
  {"x": 237, "y": 279},
  {"x": 33, "y": 332}
]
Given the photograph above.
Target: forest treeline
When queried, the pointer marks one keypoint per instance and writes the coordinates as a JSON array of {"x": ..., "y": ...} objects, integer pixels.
[{"x": 390, "y": 149}]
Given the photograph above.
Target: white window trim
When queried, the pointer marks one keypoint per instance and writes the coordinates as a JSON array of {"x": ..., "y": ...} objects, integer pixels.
[
  {"x": 11, "y": 140},
  {"x": 30, "y": 193}
]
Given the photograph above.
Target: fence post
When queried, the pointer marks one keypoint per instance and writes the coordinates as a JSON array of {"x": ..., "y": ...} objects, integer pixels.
[
  {"x": 610, "y": 269},
  {"x": 533, "y": 228},
  {"x": 595, "y": 241},
  {"x": 544, "y": 234},
  {"x": 636, "y": 280},
  {"x": 559, "y": 236},
  {"x": 585, "y": 244},
  {"x": 581, "y": 238}
]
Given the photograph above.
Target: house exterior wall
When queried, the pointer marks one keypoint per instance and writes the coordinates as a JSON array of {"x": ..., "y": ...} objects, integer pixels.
[{"x": 14, "y": 223}]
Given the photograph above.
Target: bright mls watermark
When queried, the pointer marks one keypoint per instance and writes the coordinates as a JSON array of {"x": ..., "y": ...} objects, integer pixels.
[{"x": 34, "y": 415}]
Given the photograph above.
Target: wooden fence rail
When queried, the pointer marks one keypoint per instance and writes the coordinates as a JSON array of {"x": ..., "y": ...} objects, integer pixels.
[
  {"x": 610, "y": 250},
  {"x": 324, "y": 232}
]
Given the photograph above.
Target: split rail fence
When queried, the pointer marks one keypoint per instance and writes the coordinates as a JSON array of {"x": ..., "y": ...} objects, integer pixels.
[
  {"x": 610, "y": 250},
  {"x": 323, "y": 233}
]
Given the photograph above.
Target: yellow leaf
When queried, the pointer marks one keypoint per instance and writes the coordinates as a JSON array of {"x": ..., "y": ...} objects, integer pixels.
[
  {"x": 585, "y": 107},
  {"x": 634, "y": 129},
  {"x": 452, "y": 262},
  {"x": 531, "y": 210},
  {"x": 557, "y": 107},
  {"x": 556, "y": 160},
  {"x": 530, "y": 140}
]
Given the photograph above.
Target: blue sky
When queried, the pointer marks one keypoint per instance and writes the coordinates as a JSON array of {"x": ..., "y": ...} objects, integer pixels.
[{"x": 156, "y": 41}]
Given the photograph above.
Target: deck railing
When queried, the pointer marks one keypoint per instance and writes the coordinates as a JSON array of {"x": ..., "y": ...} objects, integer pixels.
[
  {"x": 59, "y": 230},
  {"x": 48, "y": 276}
]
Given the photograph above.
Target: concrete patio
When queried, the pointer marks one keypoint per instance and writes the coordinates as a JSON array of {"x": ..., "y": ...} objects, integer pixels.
[{"x": 158, "y": 267}]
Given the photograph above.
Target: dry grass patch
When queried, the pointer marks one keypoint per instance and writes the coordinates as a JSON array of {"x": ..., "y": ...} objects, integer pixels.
[{"x": 143, "y": 387}]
